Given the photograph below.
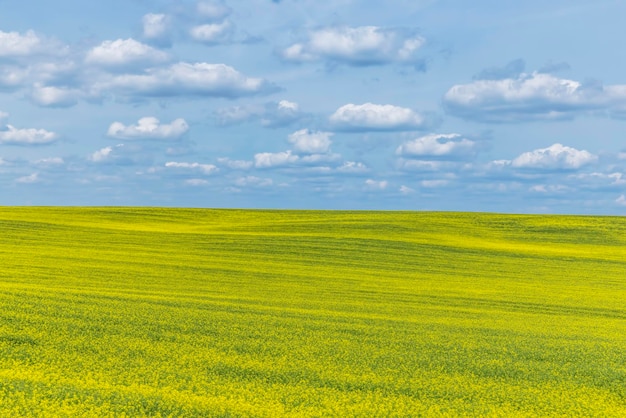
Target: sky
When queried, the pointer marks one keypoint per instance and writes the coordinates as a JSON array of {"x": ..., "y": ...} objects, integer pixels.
[{"x": 516, "y": 107}]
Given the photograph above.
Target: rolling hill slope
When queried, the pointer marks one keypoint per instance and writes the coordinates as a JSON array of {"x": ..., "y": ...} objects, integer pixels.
[{"x": 183, "y": 312}]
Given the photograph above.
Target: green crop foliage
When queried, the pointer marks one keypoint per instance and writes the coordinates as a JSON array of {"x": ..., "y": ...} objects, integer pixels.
[{"x": 192, "y": 312}]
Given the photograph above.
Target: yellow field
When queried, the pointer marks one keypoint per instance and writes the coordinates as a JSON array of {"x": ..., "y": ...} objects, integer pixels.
[{"x": 181, "y": 312}]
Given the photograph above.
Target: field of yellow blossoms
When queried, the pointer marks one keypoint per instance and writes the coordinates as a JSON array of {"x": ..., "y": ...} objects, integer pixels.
[{"x": 234, "y": 313}]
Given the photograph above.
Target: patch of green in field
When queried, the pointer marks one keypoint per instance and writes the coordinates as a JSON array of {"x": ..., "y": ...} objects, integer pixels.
[{"x": 181, "y": 312}]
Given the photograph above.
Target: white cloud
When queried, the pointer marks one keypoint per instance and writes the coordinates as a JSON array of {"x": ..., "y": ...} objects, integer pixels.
[
  {"x": 124, "y": 52},
  {"x": 14, "y": 44},
  {"x": 32, "y": 178},
  {"x": 212, "y": 33},
  {"x": 117, "y": 154},
  {"x": 271, "y": 115},
  {"x": 156, "y": 27},
  {"x": 196, "y": 182},
  {"x": 37, "y": 74},
  {"x": 214, "y": 10},
  {"x": 363, "y": 45},
  {"x": 204, "y": 168},
  {"x": 235, "y": 164},
  {"x": 617, "y": 178},
  {"x": 437, "y": 145},
  {"x": 149, "y": 128},
  {"x": 30, "y": 136},
  {"x": 554, "y": 157},
  {"x": 253, "y": 181},
  {"x": 425, "y": 165},
  {"x": 3, "y": 116},
  {"x": 614, "y": 179},
  {"x": 12, "y": 77},
  {"x": 369, "y": 116},
  {"x": 376, "y": 185},
  {"x": 406, "y": 190},
  {"x": 535, "y": 96},
  {"x": 287, "y": 105},
  {"x": 434, "y": 183},
  {"x": 185, "y": 79},
  {"x": 101, "y": 155},
  {"x": 297, "y": 52},
  {"x": 281, "y": 114},
  {"x": 621, "y": 200},
  {"x": 52, "y": 161},
  {"x": 310, "y": 142},
  {"x": 353, "y": 167},
  {"x": 549, "y": 188},
  {"x": 312, "y": 159},
  {"x": 268, "y": 159},
  {"x": 237, "y": 114},
  {"x": 51, "y": 96}
]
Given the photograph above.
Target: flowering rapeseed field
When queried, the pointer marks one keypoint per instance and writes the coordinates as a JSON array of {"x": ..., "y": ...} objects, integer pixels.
[{"x": 181, "y": 312}]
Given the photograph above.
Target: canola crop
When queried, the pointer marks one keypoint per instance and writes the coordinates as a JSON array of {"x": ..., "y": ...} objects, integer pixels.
[{"x": 131, "y": 312}]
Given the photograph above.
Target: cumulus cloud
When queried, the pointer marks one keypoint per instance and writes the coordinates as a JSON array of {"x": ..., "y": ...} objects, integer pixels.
[
  {"x": 106, "y": 154},
  {"x": 353, "y": 167},
  {"x": 149, "y": 128},
  {"x": 238, "y": 114},
  {"x": 213, "y": 10},
  {"x": 204, "y": 168},
  {"x": 51, "y": 96},
  {"x": 376, "y": 184},
  {"x": 253, "y": 181},
  {"x": 281, "y": 114},
  {"x": 550, "y": 188},
  {"x": 406, "y": 190},
  {"x": 356, "y": 46},
  {"x": 36, "y": 74},
  {"x": 438, "y": 146},
  {"x": 271, "y": 115},
  {"x": 315, "y": 159},
  {"x": 431, "y": 184},
  {"x": 51, "y": 161},
  {"x": 12, "y": 77},
  {"x": 536, "y": 96},
  {"x": 156, "y": 28},
  {"x": 185, "y": 79},
  {"x": 31, "y": 136},
  {"x": 124, "y": 53},
  {"x": 621, "y": 200},
  {"x": 101, "y": 154},
  {"x": 612, "y": 179},
  {"x": 213, "y": 33},
  {"x": 310, "y": 148},
  {"x": 269, "y": 159},
  {"x": 306, "y": 141},
  {"x": 425, "y": 165},
  {"x": 235, "y": 164},
  {"x": 555, "y": 157},
  {"x": 32, "y": 178},
  {"x": 15, "y": 44},
  {"x": 374, "y": 117}
]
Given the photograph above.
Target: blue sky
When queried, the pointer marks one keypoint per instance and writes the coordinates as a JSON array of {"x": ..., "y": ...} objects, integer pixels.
[{"x": 416, "y": 104}]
